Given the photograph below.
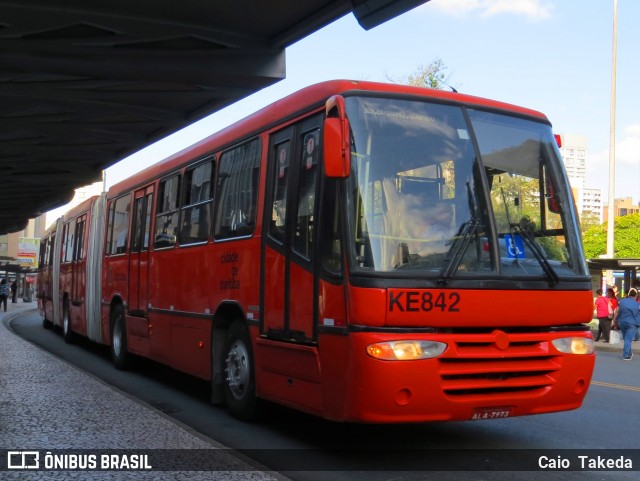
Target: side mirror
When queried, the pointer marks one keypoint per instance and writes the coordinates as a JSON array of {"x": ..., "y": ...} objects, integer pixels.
[{"x": 337, "y": 145}]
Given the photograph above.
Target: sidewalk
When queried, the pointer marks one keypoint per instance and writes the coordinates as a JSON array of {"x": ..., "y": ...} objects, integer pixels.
[
  {"x": 617, "y": 347},
  {"x": 606, "y": 347},
  {"x": 47, "y": 404}
]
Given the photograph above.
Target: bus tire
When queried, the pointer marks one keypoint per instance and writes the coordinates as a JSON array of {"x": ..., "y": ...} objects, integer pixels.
[
  {"x": 239, "y": 373},
  {"x": 119, "y": 353},
  {"x": 67, "y": 333},
  {"x": 46, "y": 323}
]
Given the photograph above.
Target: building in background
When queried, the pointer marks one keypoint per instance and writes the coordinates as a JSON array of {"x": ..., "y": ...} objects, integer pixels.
[
  {"x": 10, "y": 267},
  {"x": 574, "y": 154},
  {"x": 36, "y": 227},
  {"x": 82, "y": 194},
  {"x": 589, "y": 201},
  {"x": 621, "y": 207},
  {"x": 9, "y": 242}
]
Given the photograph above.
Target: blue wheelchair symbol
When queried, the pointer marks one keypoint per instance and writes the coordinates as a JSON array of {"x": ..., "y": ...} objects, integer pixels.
[{"x": 515, "y": 246}]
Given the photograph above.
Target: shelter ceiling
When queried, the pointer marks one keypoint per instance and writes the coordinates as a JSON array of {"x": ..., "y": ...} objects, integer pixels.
[{"x": 85, "y": 83}]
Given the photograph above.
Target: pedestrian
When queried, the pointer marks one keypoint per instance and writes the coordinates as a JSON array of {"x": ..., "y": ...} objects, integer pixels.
[
  {"x": 604, "y": 313},
  {"x": 636, "y": 286},
  {"x": 628, "y": 318},
  {"x": 615, "y": 292},
  {"x": 613, "y": 299},
  {"x": 14, "y": 292},
  {"x": 5, "y": 291}
]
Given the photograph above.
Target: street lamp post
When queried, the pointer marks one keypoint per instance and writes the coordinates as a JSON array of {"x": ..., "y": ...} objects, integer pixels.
[{"x": 612, "y": 138}]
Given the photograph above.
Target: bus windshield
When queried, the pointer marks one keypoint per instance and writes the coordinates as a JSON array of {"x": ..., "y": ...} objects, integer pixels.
[{"x": 445, "y": 191}]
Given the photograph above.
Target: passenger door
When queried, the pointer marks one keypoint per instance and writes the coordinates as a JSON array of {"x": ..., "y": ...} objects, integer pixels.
[
  {"x": 78, "y": 270},
  {"x": 289, "y": 290},
  {"x": 139, "y": 258}
]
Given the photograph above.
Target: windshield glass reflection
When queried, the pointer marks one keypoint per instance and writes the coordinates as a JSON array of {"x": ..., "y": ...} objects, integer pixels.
[{"x": 418, "y": 188}]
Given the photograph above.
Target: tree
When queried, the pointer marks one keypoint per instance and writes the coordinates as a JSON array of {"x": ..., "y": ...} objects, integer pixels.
[
  {"x": 434, "y": 75},
  {"x": 595, "y": 241},
  {"x": 626, "y": 232},
  {"x": 588, "y": 220}
]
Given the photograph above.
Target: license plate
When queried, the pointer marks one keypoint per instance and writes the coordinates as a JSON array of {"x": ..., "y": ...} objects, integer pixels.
[{"x": 491, "y": 413}]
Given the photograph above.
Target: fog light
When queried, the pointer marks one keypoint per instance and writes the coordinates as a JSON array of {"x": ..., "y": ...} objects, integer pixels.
[
  {"x": 405, "y": 350},
  {"x": 574, "y": 345}
]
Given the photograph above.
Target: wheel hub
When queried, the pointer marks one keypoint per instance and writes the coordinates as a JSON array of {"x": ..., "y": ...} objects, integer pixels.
[{"x": 237, "y": 369}]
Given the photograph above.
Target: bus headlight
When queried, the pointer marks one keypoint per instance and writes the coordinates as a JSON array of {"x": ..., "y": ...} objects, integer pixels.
[
  {"x": 405, "y": 350},
  {"x": 574, "y": 345}
]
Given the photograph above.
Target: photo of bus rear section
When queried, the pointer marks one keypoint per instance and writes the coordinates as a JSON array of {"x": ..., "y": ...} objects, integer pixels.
[
  {"x": 69, "y": 271},
  {"x": 360, "y": 251}
]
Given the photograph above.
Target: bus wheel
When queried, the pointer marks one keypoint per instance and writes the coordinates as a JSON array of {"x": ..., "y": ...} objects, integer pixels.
[
  {"x": 67, "y": 333},
  {"x": 239, "y": 383},
  {"x": 46, "y": 323},
  {"x": 119, "y": 354}
]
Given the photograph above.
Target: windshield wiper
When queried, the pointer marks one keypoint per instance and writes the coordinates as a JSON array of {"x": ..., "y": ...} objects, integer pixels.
[
  {"x": 533, "y": 245},
  {"x": 459, "y": 247},
  {"x": 537, "y": 252},
  {"x": 461, "y": 242}
]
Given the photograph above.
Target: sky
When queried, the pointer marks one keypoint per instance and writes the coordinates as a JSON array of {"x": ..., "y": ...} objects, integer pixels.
[{"x": 554, "y": 56}]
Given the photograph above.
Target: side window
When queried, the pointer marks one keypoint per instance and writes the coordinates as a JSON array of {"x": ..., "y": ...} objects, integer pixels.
[
  {"x": 141, "y": 223},
  {"x": 43, "y": 252},
  {"x": 331, "y": 233},
  {"x": 79, "y": 248},
  {"x": 68, "y": 237},
  {"x": 51, "y": 248},
  {"x": 146, "y": 234},
  {"x": 308, "y": 161},
  {"x": 195, "y": 223},
  {"x": 138, "y": 225},
  {"x": 167, "y": 215},
  {"x": 237, "y": 190},
  {"x": 118, "y": 229},
  {"x": 109, "y": 233},
  {"x": 294, "y": 160},
  {"x": 280, "y": 189}
]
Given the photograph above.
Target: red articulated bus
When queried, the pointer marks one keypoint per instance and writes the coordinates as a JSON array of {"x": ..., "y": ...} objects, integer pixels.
[
  {"x": 67, "y": 270},
  {"x": 360, "y": 251}
]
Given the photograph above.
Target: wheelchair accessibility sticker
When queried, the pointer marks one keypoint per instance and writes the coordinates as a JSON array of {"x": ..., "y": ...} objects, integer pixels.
[{"x": 515, "y": 246}]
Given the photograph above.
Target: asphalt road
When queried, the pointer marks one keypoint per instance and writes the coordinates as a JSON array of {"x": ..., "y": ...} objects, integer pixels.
[{"x": 313, "y": 449}]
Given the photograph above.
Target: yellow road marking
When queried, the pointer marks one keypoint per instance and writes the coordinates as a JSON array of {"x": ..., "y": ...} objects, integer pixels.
[{"x": 616, "y": 386}]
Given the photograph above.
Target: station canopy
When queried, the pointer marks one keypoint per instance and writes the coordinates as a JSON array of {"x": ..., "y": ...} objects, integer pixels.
[
  {"x": 613, "y": 264},
  {"x": 85, "y": 83}
]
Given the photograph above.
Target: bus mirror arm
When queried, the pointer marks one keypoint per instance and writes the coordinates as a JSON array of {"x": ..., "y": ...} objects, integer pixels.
[{"x": 337, "y": 148}]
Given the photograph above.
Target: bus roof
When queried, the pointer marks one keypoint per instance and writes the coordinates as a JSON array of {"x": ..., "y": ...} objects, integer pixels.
[
  {"x": 75, "y": 211},
  {"x": 84, "y": 206},
  {"x": 298, "y": 103}
]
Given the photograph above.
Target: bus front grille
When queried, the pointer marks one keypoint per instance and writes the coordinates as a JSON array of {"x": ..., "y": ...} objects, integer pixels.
[{"x": 493, "y": 366}]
